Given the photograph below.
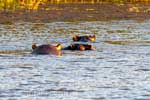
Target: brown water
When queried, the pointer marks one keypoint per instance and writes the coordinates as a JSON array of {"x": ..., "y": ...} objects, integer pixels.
[{"x": 119, "y": 68}]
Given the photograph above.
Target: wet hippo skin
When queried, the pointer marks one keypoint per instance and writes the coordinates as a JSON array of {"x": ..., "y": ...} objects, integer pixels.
[
  {"x": 46, "y": 49},
  {"x": 91, "y": 38},
  {"x": 79, "y": 46}
]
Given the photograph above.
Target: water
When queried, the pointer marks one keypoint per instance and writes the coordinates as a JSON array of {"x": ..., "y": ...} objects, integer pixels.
[{"x": 117, "y": 70}]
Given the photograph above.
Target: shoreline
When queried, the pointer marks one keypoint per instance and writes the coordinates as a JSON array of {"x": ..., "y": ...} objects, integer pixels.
[{"x": 79, "y": 12}]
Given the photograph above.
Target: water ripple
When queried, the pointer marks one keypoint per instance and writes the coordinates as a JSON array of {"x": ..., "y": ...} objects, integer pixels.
[{"x": 117, "y": 70}]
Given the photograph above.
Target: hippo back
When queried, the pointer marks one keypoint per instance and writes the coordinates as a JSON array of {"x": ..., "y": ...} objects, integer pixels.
[
  {"x": 84, "y": 38},
  {"x": 46, "y": 49}
]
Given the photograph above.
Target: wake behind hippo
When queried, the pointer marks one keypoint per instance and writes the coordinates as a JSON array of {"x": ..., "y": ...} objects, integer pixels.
[{"x": 47, "y": 49}]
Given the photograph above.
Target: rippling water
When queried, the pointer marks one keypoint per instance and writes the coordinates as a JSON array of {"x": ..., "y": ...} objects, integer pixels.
[{"x": 119, "y": 68}]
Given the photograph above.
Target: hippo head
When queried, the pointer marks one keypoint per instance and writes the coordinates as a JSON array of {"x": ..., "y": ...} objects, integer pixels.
[{"x": 47, "y": 49}]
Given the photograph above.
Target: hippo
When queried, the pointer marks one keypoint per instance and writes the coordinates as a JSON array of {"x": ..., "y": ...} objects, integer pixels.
[
  {"x": 91, "y": 38},
  {"x": 78, "y": 46},
  {"x": 47, "y": 49}
]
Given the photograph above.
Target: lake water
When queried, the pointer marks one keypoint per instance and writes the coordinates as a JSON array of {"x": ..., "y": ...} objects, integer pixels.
[{"x": 119, "y": 68}]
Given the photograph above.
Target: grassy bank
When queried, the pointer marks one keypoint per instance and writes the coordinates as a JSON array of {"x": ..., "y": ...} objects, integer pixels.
[{"x": 79, "y": 12}]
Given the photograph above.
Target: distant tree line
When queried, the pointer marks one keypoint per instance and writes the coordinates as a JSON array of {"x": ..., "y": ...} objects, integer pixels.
[{"x": 96, "y": 1}]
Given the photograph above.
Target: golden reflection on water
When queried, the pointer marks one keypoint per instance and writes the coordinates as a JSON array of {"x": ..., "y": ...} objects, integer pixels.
[
  {"x": 22, "y": 65},
  {"x": 16, "y": 52},
  {"x": 127, "y": 42}
]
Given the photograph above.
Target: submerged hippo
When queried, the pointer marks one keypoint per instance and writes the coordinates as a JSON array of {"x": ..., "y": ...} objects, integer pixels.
[
  {"x": 47, "y": 49},
  {"x": 78, "y": 46},
  {"x": 91, "y": 38}
]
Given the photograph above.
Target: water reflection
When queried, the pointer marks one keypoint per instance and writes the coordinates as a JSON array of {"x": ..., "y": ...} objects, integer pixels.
[{"x": 118, "y": 69}]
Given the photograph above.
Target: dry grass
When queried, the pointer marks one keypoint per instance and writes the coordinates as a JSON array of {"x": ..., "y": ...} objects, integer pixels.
[{"x": 79, "y": 12}]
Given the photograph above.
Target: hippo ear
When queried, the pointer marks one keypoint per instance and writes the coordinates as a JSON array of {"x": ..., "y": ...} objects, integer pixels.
[
  {"x": 59, "y": 46},
  {"x": 92, "y": 38},
  {"x": 34, "y": 46},
  {"x": 75, "y": 38}
]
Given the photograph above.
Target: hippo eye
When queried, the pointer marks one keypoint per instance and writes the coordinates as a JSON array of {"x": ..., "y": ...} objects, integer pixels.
[{"x": 59, "y": 47}]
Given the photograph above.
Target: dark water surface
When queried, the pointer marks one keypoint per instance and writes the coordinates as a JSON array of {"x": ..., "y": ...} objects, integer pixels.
[{"x": 119, "y": 68}]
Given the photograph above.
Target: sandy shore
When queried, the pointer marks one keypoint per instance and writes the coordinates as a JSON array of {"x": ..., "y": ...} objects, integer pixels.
[{"x": 79, "y": 12}]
